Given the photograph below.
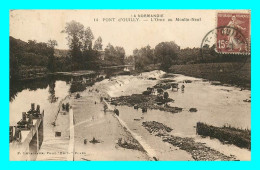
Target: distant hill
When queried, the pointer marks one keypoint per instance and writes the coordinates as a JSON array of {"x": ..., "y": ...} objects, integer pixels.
[
  {"x": 29, "y": 53},
  {"x": 17, "y": 42},
  {"x": 29, "y": 59}
]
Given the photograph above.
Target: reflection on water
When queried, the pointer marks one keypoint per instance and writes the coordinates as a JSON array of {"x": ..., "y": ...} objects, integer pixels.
[
  {"x": 33, "y": 85},
  {"x": 47, "y": 93},
  {"x": 52, "y": 98}
]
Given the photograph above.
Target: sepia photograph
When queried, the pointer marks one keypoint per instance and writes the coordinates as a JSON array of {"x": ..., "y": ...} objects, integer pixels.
[{"x": 130, "y": 85}]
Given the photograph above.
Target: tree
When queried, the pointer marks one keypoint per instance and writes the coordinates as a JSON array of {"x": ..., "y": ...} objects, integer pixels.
[
  {"x": 98, "y": 44},
  {"x": 130, "y": 60},
  {"x": 114, "y": 55},
  {"x": 52, "y": 43},
  {"x": 16, "y": 49},
  {"x": 75, "y": 34},
  {"x": 144, "y": 56},
  {"x": 166, "y": 53},
  {"x": 80, "y": 44},
  {"x": 51, "y": 58},
  {"x": 87, "y": 39},
  {"x": 120, "y": 54},
  {"x": 14, "y": 67},
  {"x": 149, "y": 54},
  {"x": 109, "y": 52}
]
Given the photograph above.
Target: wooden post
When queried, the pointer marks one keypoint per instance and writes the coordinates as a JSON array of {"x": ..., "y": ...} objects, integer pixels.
[
  {"x": 38, "y": 109},
  {"x": 24, "y": 116},
  {"x": 32, "y": 106},
  {"x": 37, "y": 139}
]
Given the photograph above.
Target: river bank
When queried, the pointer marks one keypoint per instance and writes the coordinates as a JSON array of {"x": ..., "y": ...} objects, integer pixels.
[{"x": 225, "y": 73}]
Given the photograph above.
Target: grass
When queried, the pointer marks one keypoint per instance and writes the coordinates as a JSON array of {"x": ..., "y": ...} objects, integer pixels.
[
  {"x": 226, "y": 134},
  {"x": 223, "y": 72}
]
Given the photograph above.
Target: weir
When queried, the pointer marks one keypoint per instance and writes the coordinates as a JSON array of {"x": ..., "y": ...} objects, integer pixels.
[
  {"x": 26, "y": 138},
  {"x": 71, "y": 148},
  {"x": 150, "y": 152}
]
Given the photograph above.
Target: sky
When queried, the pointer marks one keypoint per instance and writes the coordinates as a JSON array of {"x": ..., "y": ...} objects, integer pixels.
[{"x": 124, "y": 30}]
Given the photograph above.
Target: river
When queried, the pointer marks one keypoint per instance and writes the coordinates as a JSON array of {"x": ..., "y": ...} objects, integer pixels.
[{"x": 217, "y": 105}]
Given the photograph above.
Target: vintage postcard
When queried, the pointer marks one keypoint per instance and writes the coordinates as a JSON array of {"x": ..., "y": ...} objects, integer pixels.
[{"x": 148, "y": 85}]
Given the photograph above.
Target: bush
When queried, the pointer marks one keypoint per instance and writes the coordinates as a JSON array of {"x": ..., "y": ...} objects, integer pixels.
[
  {"x": 147, "y": 92},
  {"x": 77, "y": 87}
]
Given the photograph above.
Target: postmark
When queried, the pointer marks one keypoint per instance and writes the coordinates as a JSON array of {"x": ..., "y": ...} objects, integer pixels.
[
  {"x": 228, "y": 42},
  {"x": 233, "y": 35}
]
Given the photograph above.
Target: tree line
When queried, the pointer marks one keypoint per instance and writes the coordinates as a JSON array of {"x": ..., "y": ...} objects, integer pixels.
[
  {"x": 166, "y": 54},
  {"x": 84, "y": 53},
  {"x": 34, "y": 54}
]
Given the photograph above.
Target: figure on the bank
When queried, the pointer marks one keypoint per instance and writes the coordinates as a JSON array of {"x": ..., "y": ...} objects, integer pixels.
[
  {"x": 160, "y": 91},
  {"x": 105, "y": 108},
  {"x": 144, "y": 109},
  {"x": 116, "y": 111},
  {"x": 182, "y": 88},
  {"x": 151, "y": 90},
  {"x": 67, "y": 107},
  {"x": 175, "y": 86},
  {"x": 77, "y": 96}
]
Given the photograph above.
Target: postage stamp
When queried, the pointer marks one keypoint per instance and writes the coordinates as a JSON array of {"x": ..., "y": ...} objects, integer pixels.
[
  {"x": 229, "y": 41},
  {"x": 233, "y": 37}
]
